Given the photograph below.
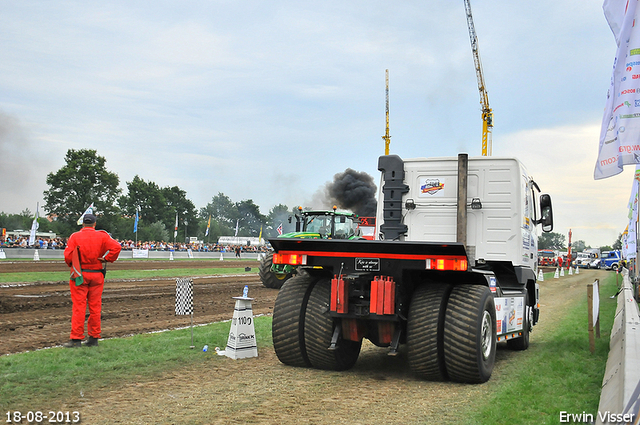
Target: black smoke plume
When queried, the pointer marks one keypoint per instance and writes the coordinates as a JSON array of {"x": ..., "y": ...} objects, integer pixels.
[{"x": 355, "y": 191}]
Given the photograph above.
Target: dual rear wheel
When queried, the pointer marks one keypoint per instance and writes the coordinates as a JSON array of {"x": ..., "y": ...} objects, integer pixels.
[
  {"x": 451, "y": 333},
  {"x": 302, "y": 328}
]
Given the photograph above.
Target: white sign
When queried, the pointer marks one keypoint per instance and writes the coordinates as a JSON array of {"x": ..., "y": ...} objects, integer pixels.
[
  {"x": 509, "y": 314},
  {"x": 140, "y": 253}
]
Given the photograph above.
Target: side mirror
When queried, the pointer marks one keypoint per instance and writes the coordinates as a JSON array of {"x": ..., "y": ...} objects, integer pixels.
[{"x": 547, "y": 213}]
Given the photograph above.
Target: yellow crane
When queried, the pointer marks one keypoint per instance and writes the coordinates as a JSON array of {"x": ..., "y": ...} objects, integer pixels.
[
  {"x": 487, "y": 114},
  {"x": 386, "y": 137}
]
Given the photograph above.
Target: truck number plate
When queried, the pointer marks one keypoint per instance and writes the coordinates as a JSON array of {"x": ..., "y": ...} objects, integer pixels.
[{"x": 368, "y": 264}]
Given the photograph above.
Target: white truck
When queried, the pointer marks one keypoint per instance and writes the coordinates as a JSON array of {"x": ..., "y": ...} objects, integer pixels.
[
  {"x": 451, "y": 273},
  {"x": 589, "y": 258}
]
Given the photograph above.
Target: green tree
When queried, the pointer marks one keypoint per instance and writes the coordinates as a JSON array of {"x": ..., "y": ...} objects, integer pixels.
[
  {"x": 177, "y": 201},
  {"x": 279, "y": 214},
  {"x": 147, "y": 196},
  {"x": 618, "y": 243},
  {"x": 251, "y": 220},
  {"x": 83, "y": 180},
  {"x": 579, "y": 246},
  {"x": 223, "y": 212},
  {"x": 551, "y": 240}
]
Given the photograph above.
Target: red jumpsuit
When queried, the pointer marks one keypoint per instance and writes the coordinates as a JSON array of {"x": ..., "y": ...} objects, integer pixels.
[{"x": 94, "y": 244}]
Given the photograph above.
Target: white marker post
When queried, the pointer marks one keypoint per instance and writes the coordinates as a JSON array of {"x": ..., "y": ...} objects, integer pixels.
[{"x": 242, "y": 335}]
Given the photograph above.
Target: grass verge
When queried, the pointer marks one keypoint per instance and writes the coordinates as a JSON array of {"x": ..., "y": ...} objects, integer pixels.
[
  {"x": 557, "y": 373},
  {"x": 26, "y": 277},
  {"x": 51, "y": 377}
]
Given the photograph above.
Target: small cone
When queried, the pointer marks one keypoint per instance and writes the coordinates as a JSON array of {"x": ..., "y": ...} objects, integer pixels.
[
  {"x": 36, "y": 255},
  {"x": 556, "y": 274},
  {"x": 3, "y": 255},
  {"x": 577, "y": 270},
  {"x": 570, "y": 271},
  {"x": 540, "y": 276},
  {"x": 171, "y": 256},
  {"x": 221, "y": 257},
  {"x": 562, "y": 272}
]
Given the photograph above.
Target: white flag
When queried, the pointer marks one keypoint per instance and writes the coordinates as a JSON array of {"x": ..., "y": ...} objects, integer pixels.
[
  {"x": 34, "y": 226},
  {"x": 620, "y": 132},
  {"x": 175, "y": 232},
  {"x": 88, "y": 211},
  {"x": 237, "y": 222}
]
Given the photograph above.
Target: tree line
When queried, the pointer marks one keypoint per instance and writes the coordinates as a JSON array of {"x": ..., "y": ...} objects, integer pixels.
[
  {"x": 85, "y": 180},
  {"x": 557, "y": 241}
]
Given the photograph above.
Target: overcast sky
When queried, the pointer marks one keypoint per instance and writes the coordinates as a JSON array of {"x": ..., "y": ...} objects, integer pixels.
[{"x": 268, "y": 100}]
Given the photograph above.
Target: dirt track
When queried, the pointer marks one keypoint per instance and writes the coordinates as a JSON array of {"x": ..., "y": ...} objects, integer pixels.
[{"x": 39, "y": 315}]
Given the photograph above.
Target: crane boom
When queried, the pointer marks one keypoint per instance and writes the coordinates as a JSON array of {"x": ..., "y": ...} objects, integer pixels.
[
  {"x": 487, "y": 114},
  {"x": 386, "y": 137}
]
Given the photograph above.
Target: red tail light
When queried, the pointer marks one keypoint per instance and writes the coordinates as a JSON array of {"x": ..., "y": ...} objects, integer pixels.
[
  {"x": 450, "y": 263},
  {"x": 290, "y": 259}
]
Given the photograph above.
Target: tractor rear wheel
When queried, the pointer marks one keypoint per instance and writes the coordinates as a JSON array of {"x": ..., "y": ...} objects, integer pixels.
[
  {"x": 268, "y": 278},
  {"x": 425, "y": 330},
  {"x": 470, "y": 334},
  {"x": 288, "y": 322},
  {"x": 318, "y": 331}
]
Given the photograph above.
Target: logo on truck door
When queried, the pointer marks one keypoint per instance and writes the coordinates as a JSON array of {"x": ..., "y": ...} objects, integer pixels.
[
  {"x": 432, "y": 186},
  {"x": 368, "y": 264}
]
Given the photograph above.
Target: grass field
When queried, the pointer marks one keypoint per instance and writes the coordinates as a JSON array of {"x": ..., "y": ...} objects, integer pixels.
[
  {"x": 557, "y": 373},
  {"x": 30, "y": 277}
]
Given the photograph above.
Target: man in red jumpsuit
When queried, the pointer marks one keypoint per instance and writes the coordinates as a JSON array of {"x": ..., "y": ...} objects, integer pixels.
[{"x": 96, "y": 248}]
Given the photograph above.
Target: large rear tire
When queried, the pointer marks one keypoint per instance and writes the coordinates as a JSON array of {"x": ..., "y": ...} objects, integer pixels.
[
  {"x": 470, "y": 334},
  {"x": 318, "y": 331},
  {"x": 268, "y": 278},
  {"x": 287, "y": 327},
  {"x": 425, "y": 330}
]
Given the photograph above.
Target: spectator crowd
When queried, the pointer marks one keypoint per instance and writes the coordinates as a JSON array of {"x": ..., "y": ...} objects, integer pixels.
[{"x": 128, "y": 245}]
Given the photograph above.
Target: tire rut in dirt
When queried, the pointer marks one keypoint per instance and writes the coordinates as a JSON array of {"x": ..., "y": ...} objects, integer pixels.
[
  {"x": 425, "y": 330},
  {"x": 288, "y": 321},
  {"x": 267, "y": 277},
  {"x": 463, "y": 334},
  {"x": 318, "y": 331}
]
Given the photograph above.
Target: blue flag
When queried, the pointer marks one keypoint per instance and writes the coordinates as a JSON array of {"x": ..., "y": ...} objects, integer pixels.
[{"x": 135, "y": 224}]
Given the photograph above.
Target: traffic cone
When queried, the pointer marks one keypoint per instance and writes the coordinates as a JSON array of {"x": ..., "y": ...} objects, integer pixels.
[
  {"x": 570, "y": 271},
  {"x": 556, "y": 274},
  {"x": 562, "y": 272},
  {"x": 540, "y": 276},
  {"x": 577, "y": 270},
  {"x": 36, "y": 255},
  {"x": 170, "y": 255},
  {"x": 221, "y": 257}
]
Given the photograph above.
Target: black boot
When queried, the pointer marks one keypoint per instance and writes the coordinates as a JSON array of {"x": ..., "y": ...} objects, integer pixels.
[
  {"x": 72, "y": 343},
  {"x": 91, "y": 342}
]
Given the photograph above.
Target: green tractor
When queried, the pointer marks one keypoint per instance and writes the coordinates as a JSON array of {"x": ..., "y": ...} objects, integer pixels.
[{"x": 309, "y": 225}]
